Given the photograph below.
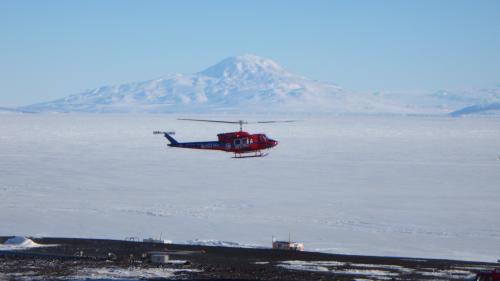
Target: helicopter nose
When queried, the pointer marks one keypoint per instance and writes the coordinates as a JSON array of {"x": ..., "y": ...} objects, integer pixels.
[{"x": 273, "y": 143}]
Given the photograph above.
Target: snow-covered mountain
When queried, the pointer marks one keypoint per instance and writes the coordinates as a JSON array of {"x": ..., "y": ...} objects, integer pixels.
[
  {"x": 246, "y": 83},
  {"x": 253, "y": 84}
]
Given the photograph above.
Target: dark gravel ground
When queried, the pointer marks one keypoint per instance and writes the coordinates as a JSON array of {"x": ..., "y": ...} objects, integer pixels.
[{"x": 220, "y": 263}]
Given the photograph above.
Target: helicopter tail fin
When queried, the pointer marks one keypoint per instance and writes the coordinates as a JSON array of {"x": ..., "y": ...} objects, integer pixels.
[{"x": 167, "y": 136}]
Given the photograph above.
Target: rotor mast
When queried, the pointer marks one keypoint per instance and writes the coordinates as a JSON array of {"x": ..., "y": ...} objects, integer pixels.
[{"x": 241, "y": 125}]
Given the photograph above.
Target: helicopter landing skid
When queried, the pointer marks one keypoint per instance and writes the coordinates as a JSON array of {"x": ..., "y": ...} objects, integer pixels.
[{"x": 259, "y": 154}]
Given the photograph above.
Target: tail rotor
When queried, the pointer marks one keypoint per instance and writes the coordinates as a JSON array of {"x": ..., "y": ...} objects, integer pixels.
[{"x": 167, "y": 136}]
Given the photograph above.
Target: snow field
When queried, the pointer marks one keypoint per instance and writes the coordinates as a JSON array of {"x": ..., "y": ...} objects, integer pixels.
[{"x": 420, "y": 187}]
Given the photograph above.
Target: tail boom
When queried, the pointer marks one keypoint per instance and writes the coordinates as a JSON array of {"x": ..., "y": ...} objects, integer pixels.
[
  {"x": 167, "y": 135},
  {"x": 213, "y": 145}
]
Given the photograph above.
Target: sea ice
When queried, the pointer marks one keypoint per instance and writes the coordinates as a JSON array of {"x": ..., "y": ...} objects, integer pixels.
[{"x": 418, "y": 187}]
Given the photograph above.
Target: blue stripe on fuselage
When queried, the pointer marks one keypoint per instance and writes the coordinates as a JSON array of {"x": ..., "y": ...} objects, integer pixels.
[{"x": 200, "y": 145}]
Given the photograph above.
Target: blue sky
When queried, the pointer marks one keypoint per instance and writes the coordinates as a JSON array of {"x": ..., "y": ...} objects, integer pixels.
[{"x": 50, "y": 49}]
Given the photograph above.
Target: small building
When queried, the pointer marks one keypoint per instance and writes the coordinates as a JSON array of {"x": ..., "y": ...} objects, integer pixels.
[
  {"x": 160, "y": 241},
  {"x": 133, "y": 239},
  {"x": 159, "y": 257},
  {"x": 288, "y": 245}
]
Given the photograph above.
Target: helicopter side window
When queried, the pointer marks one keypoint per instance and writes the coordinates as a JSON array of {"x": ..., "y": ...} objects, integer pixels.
[
  {"x": 237, "y": 142},
  {"x": 244, "y": 141}
]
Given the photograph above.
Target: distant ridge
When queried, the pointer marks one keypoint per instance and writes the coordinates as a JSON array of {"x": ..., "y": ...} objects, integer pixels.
[
  {"x": 12, "y": 110},
  {"x": 482, "y": 109}
]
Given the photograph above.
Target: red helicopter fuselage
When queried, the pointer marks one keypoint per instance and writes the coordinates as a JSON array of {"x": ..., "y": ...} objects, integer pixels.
[{"x": 237, "y": 142}]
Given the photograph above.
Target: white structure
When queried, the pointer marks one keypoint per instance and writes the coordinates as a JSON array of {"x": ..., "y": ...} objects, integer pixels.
[
  {"x": 161, "y": 241},
  {"x": 133, "y": 239},
  {"x": 288, "y": 245},
  {"x": 159, "y": 257}
]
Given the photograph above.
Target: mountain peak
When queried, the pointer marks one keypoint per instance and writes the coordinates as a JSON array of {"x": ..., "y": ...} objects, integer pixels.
[
  {"x": 246, "y": 83},
  {"x": 247, "y": 64}
]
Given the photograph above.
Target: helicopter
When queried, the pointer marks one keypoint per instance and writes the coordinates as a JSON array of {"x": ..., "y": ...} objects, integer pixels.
[{"x": 241, "y": 143}]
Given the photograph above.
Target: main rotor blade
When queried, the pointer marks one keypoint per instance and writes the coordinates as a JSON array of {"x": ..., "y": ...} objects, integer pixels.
[
  {"x": 214, "y": 121},
  {"x": 241, "y": 122},
  {"x": 281, "y": 121}
]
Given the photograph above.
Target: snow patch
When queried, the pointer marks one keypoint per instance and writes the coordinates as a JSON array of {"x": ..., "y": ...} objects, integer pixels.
[
  {"x": 332, "y": 267},
  {"x": 448, "y": 273},
  {"x": 383, "y": 266},
  {"x": 20, "y": 243},
  {"x": 303, "y": 265},
  {"x": 131, "y": 273}
]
